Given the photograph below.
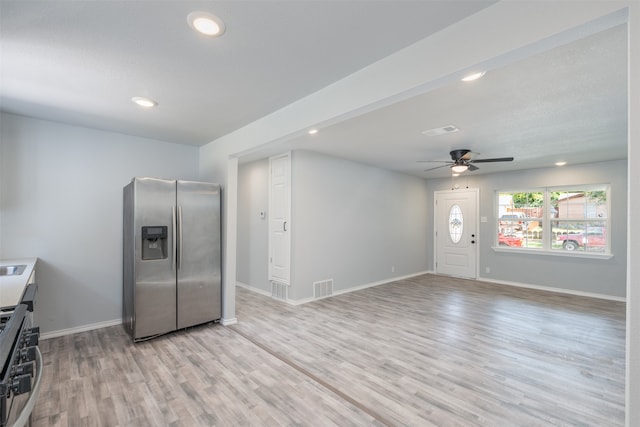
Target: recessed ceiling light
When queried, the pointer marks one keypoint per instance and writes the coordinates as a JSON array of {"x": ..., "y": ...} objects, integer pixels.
[
  {"x": 206, "y": 23},
  {"x": 144, "y": 102},
  {"x": 472, "y": 77},
  {"x": 313, "y": 131},
  {"x": 561, "y": 163}
]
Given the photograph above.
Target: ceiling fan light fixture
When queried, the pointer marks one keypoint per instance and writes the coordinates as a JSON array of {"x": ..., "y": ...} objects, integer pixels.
[
  {"x": 459, "y": 168},
  {"x": 472, "y": 77},
  {"x": 561, "y": 163},
  {"x": 206, "y": 23}
]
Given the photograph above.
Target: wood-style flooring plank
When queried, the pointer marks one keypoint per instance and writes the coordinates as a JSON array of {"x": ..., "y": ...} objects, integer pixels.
[
  {"x": 457, "y": 352},
  {"x": 426, "y": 351}
]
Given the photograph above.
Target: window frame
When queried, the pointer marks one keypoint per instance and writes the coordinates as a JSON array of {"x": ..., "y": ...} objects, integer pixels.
[{"x": 547, "y": 227}]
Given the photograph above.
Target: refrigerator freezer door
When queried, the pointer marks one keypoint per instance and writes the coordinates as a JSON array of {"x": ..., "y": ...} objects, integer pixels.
[
  {"x": 155, "y": 279},
  {"x": 199, "y": 274}
]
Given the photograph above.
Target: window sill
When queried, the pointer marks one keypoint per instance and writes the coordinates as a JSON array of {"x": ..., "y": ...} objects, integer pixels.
[{"x": 556, "y": 253}]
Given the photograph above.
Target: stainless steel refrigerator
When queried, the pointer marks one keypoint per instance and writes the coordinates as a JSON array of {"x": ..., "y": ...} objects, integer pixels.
[{"x": 171, "y": 265}]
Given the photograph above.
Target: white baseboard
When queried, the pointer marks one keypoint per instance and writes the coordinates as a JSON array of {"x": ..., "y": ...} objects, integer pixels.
[
  {"x": 83, "y": 328},
  {"x": 306, "y": 300},
  {"x": 553, "y": 289},
  {"x": 381, "y": 282},
  {"x": 106, "y": 324},
  {"x": 228, "y": 322},
  {"x": 546, "y": 288},
  {"x": 253, "y": 289},
  {"x": 339, "y": 292}
]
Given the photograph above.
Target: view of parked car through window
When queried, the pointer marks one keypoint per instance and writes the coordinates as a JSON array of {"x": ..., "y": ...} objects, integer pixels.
[
  {"x": 509, "y": 240},
  {"x": 593, "y": 239}
]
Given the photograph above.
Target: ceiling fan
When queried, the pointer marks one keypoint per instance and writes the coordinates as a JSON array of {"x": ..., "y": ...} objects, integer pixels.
[{"x": 462, "y": 161}]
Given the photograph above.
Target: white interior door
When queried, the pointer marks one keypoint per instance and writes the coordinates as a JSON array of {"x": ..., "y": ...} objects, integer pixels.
[
  {"x": 456, "y": 227},
  {"x": 279, "y": 221}
]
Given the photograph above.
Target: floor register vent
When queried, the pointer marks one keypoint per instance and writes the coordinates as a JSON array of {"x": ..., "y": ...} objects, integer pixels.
[
  {"x": 279, "y": 291},
  {"x": 323, "y": 288}
]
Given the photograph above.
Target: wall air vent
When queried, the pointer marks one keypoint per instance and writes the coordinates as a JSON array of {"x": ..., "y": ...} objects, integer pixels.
[
  {"x": 279, "y": 291},
  {"x": 440, "y": 131},
  {"x": 323, "y": 288}
]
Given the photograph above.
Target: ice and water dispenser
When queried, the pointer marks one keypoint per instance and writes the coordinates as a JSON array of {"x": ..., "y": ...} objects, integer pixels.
[{"x": 154, "y": 242}]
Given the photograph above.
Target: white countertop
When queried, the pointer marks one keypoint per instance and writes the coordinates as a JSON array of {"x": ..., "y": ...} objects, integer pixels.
[{"x": 12, "y": 287}]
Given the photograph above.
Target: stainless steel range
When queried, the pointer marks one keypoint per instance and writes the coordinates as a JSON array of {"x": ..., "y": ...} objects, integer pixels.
[{"x": 20, "y": 362}]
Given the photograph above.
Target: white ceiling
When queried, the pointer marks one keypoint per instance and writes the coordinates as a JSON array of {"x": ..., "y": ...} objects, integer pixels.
[
  {"x": 80, "y": 62},
  {"x": 565, "y": 104}
]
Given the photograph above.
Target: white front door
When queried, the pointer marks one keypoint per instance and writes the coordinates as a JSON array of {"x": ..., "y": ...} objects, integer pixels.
[
  {"x": 279, "y": 222},
  {"x": 456, "y": 227}
]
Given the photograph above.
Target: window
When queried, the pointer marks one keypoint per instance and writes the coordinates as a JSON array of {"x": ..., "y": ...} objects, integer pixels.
[
  {"x": 520, "y": 219},
  {"x": 568, "y": 219},
  {"x": 580, "y": 221},
  {"x": 455, "y": 223}
]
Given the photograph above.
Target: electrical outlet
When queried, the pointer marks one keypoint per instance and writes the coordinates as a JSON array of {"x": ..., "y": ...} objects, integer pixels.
[
  {"x": 487, "y": 270},
  {"x": 393, "y": 268}
]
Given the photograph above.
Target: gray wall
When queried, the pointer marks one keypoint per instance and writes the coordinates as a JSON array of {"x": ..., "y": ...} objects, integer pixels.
[
  {"x": 596, "y": 276},
  {"x": 352, "y": 223},
  {"x": 61, "y": 201},
  {"x": 253, "y": 243}
]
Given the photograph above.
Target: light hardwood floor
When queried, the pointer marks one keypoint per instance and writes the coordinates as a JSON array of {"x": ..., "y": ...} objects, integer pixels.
[{"x": 427, "y": 351}]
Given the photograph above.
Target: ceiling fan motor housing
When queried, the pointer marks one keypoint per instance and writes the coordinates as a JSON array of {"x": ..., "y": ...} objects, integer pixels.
[{"x": 457, "y": 155}]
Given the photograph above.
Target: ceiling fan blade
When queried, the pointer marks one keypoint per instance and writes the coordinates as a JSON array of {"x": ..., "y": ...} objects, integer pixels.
[
  {"x": 497, "y": 159},
  {"x": 437, "y": 167},
  {"x": 464, "y": 157}
]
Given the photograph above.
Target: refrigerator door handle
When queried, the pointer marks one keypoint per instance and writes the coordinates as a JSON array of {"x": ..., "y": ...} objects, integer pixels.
[
  {"x": 179, "y": 236},
  {"x": 174, "y": 253}
]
